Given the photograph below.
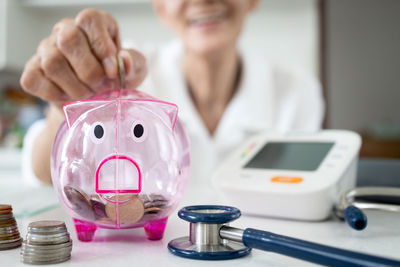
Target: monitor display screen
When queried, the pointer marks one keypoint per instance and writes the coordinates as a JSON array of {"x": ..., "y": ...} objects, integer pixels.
[{"x": 301, "y": 156}]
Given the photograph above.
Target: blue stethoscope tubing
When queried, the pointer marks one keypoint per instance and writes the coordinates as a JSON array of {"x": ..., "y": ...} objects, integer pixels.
[{"x": 267, "y": 241}]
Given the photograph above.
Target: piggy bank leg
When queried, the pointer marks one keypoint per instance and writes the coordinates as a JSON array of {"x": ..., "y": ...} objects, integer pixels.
[
  {"x": 155, "y": 229},
  {"x": 85, "y": 230}
]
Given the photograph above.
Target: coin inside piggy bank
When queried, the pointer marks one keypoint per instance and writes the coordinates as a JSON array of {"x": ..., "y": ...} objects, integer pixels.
[{"x": 120, "y": 160}]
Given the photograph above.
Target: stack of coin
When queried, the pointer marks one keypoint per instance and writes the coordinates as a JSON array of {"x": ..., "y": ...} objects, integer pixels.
[
  {"x": 9, "y": 234},
  {"x": 47, "y": 242}
]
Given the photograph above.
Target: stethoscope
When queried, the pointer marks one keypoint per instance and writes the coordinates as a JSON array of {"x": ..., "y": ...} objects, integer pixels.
[
  {"x": 210, "y": 238},
  {"x": 351, "y": 211}
]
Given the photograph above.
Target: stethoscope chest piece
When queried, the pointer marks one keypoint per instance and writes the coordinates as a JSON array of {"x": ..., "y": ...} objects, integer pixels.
[
  {"x": 210, "y": 238},
  {"x": 204, "y": 241}
]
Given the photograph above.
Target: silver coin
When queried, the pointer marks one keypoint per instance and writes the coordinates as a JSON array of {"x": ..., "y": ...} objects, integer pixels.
[
  {"x": 4, "y": 217},
  {"x": 157, "y": 204},
  {"x": 46, "y": 226},
  {"x": 152, "y": 197},
  {"x": 52, "y": 255},
  {"x": 40, "y": 262},
  {"x": 68, "y": 243},
  {"x": 44, "y": 249},
  {"x": 121, "y": 68},
  {"x": 30, "y": 251},
  {"x": 67, "y": 246},
  {"x": 9, "y": 230},
  {"x": 31, "y": 236},
  {"x": 157, "y": 197},
  {"x": 10, "y": 245},
  {"x": 45, "y": 257},
  {"x": 48, "y": 232},
  {"x": 46, "y": 254},
  {"x": 49, "y": 241},
  {"x": 144, "y": 198},
  {"x": 10, "y": 240},
  {"x": 47, "y": 247}
]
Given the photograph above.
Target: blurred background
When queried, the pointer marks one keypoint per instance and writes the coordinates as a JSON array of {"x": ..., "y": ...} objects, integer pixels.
[{"x": 352, "y": 46}]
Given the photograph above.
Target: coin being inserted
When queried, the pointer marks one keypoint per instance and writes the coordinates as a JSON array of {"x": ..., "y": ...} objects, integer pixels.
[{"x": 128, "y": 212}]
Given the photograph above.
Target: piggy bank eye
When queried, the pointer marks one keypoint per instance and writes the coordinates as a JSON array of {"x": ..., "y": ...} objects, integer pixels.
[
  {"x": 97, "y": 133},
  {"x": 138, "y": 131}
]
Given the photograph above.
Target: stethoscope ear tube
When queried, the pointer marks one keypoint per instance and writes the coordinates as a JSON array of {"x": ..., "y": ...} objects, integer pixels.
[
  {"x": 351, "y": 211},
  {"x": 211, "y": 239},
  {"x": 310, "y": 251}
]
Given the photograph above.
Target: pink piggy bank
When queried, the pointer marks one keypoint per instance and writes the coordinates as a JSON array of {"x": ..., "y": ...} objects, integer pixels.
[{"x": 120, "y": 160}]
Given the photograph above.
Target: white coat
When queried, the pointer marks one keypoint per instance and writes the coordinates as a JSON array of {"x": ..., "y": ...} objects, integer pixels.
[{"x": 268, "y": 98}]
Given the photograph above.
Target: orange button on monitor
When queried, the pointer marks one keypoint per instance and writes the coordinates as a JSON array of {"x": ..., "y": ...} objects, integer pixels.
[{"x": 286, "y": 179}]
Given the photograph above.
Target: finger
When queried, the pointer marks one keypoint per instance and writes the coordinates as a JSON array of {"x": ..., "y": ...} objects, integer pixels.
[
  {"x": 34, "y": 82},
  {"x": 102, "y": 33},
  {"x": 56, "y": 68},
  {"x": 135, "y": 67},
  {"x": 73, "y": 44}
]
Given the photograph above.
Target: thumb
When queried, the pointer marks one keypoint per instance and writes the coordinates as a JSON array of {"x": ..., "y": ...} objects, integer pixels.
[{"x": 135, "y": 67}]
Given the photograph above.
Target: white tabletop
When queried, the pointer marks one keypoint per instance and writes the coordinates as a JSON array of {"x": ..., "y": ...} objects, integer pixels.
[{"x": 131, "y": 247}]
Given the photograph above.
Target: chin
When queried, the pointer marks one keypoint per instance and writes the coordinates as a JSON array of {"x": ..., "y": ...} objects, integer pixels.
[{"x": 208, "y": 46}]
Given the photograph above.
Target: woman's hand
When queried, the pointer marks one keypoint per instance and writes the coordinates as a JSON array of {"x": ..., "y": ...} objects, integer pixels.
[{"x": 79, "y": 59}]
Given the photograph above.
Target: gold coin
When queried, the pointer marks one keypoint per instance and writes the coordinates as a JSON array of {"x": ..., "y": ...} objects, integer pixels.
[
  {"x": 105, "y": 221},
  {"x": 8, "y": 223},
  {"x": 4, "y": 212},
  {"x": 5, "y": 207},
  {"x": 152, "y": 209},
  {"x": 9, "y": 236},
  {"x": 128, "y": 212}
]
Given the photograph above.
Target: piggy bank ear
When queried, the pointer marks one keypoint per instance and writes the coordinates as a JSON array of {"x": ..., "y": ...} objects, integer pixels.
[
  {"x": 171, "y": 110},
  {"x": 74, "y": 110}
]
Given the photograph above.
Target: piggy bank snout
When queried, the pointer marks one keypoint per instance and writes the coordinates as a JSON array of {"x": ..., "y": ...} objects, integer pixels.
[{"x": 118, "y": 174}]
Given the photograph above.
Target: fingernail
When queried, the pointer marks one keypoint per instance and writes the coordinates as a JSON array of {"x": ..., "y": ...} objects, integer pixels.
[{"x": 110, "y": 66}]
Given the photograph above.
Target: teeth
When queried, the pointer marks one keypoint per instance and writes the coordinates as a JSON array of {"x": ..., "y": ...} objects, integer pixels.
[{"x": 207, "y": 19}]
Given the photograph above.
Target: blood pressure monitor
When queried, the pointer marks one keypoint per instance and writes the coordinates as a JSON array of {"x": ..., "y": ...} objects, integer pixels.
[{"x": 296, "y": 176}]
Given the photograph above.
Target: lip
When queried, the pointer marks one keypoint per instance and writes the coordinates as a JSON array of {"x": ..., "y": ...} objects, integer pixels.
[
  {"x": 206, "y": 18},
  {"x": 119, "y": 159}
]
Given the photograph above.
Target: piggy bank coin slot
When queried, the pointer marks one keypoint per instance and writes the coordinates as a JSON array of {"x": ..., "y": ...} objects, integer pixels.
[{"x": 118, "y": 174}]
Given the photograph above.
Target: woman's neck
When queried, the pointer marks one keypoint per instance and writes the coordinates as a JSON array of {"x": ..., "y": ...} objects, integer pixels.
[{"x": 212, "y": 82}]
